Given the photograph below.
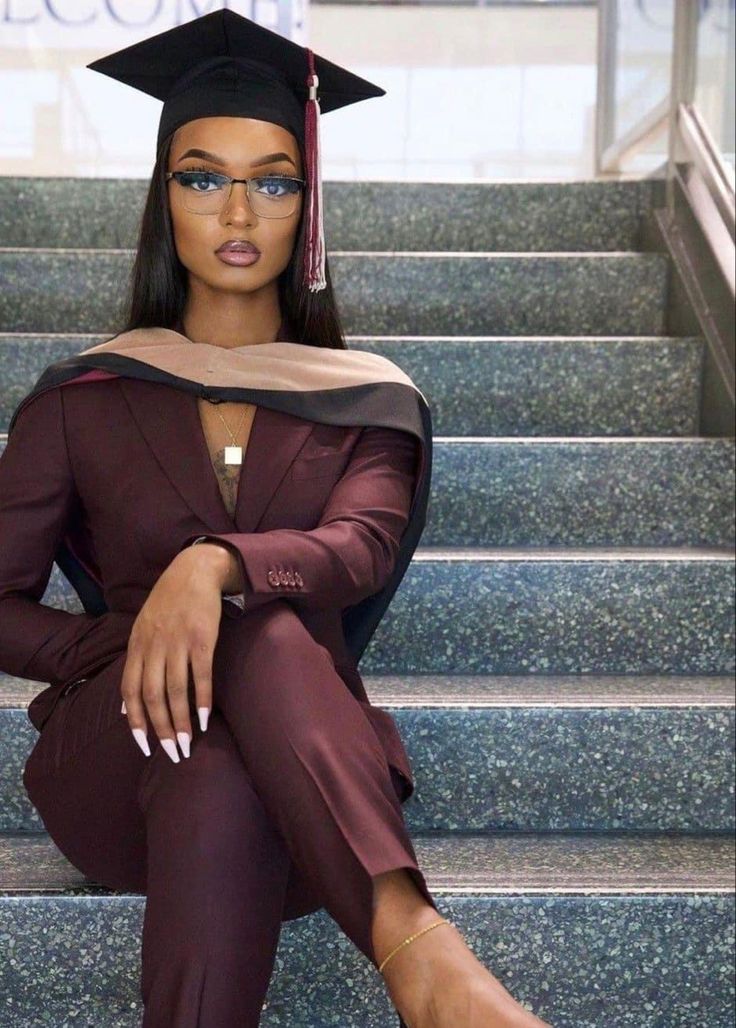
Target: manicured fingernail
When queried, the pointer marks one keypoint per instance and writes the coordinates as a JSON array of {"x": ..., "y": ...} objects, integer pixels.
[
  {"x": 183, "y": 738},
  {"x": 170, "y": 746},
  {"x": 204, "y": 716},
  {"x": 123, "y": 709},
  {"x": 142, "y": 739}
]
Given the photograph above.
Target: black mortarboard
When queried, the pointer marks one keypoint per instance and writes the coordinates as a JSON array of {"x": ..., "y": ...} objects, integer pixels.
[{"x": 225, "y": 64}]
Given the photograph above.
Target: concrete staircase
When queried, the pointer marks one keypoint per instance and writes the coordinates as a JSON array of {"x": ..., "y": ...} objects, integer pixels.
[{"x": 560, "y": 654}]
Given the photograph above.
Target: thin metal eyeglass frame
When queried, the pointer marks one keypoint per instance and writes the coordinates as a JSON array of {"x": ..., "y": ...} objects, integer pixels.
[{"x": 246, "y": 182}]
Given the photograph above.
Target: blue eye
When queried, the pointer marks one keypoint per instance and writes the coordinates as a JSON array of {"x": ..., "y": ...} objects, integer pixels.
[
  {"x": 272, "y": 182},
  {"x": 194, "y": 179}
]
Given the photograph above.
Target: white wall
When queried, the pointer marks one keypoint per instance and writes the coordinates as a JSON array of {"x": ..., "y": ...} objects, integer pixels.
[{"x": 472, "y": 93}]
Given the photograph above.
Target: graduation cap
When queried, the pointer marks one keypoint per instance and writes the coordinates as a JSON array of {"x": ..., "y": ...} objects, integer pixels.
[{"x": 225, "y": 64}]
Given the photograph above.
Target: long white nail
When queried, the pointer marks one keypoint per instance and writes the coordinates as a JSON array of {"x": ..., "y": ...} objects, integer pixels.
[
  {"x": 124, "y": 709},
  {"x": 183, "y": 738},
  {"x": 142, "y": 739},
  {"x": 204, "y": 716},
  {"x": 170, "y": 746}
]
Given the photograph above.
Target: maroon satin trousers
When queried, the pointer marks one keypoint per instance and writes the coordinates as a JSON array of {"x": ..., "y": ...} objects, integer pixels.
[{"x": 289, "y": 768}]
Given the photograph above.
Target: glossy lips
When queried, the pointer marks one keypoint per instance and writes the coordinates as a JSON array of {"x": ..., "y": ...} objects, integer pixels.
[{"x": 238, "y": 252}]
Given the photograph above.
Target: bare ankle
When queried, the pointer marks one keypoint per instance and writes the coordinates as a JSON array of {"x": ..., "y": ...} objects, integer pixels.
[{"x": 399, "y": 909}]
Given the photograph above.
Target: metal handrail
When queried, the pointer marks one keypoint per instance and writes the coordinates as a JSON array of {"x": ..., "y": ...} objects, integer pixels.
[{"x": 694, "y": 160}]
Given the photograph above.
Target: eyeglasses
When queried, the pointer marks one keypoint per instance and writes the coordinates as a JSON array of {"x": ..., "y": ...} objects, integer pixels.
[{"x": 270, "y": 196}]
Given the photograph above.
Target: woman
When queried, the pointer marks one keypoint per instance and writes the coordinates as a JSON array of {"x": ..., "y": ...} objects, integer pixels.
[{"x": 125, "y": 463}]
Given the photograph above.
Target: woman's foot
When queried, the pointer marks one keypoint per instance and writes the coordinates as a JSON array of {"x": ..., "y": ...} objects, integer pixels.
[{"x": 438, "y": 982}]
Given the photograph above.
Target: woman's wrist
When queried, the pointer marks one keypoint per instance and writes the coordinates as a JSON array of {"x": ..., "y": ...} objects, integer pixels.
[{"x": 224, "y": 564}]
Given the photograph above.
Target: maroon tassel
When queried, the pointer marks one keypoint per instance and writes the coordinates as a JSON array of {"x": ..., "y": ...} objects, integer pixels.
[{"x": 314, "y": 249}]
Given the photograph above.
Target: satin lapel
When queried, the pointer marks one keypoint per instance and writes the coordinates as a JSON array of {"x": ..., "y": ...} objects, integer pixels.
[{"x": 169, "y": 421}]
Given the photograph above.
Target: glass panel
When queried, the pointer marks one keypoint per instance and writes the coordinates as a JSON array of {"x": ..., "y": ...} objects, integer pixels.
[
  {"x": 473, "y": 92},
  {"x": 643, "y": 59},
  {"x": 714, "y": 73}
]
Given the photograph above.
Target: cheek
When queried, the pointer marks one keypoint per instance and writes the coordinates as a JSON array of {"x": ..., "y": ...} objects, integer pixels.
[
  {"x": 285, "y": 240},
  {"x": 193, "y": 236},
  {"x": 185, "y": 238},
  {"x": 277, "y": 245}
]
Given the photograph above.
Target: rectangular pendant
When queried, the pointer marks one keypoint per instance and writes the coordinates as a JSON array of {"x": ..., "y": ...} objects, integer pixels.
[{"x": 233, "y": 454}]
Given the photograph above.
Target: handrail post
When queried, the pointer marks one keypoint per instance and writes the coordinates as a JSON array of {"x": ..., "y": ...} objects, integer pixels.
[{"x": 682, "y": 85}]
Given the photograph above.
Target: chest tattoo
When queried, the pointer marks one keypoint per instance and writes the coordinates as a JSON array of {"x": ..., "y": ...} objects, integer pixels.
[{"x": 239, "y": 419}]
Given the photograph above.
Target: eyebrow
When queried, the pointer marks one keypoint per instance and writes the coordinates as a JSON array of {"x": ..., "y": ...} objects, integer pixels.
[{"x": 269, "y": 158}]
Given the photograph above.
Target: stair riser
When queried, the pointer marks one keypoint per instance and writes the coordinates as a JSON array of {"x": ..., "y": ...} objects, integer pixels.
[
  {"x": 566, "y": 387},
  {"x": 527, "y": 769},
  {"x": 654, "y": 960},
  {"x": 83, "y": 291},
  {"x": 558, "y": 617},
  {"x": 592, "y": 215},
  {"x": 581, "y": 494},
  {"x": 543, "y": 616}
]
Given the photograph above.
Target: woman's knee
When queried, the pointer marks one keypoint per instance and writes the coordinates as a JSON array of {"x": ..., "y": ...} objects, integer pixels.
[
  {"x": 272, "y": 631},
  {"x": 266, "y": 665}
]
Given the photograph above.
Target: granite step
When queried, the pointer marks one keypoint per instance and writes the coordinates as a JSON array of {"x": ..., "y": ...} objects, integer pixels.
[
  {"x": 575, "y": 926},
  {"x": 586, "y": 215},
  {"x": 386, "y": 292},
  {"x": 559, "y": 658},
  {"x": 566, "y": 611},
  {"x": 486, "y": 386},
  {"x": 625, "y": 610},
  {"x": 521, "y": 753},
  {"x": 575, "y": 492},
  {"x": 579, "y": 492}
]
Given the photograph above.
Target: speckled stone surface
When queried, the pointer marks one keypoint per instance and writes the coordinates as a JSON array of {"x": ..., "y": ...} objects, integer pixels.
[
  {"x": 383, "y": 293},
  {"x": 562, "y": 957},
  {"x": 665, "y": 896},
  {"x": 624, "y": 493},
  {"x": 585, "y": 215},
  {"x": 553, "y": 386},
  {"x": 486, "y": 612},
  {"x": 576, "y": 493},
  {"x": 570, "y": 611},
  {"x": 582, "y": 386},
  {"x": 502, "y": 294},
  {"x": 524, "y": 768},
  {"x": 574, "y": 705}
]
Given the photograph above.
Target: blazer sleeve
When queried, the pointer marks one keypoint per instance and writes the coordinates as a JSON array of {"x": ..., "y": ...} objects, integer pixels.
[
  {"x": 352, "y": 551},
  {"x": 37, "y": 499}
]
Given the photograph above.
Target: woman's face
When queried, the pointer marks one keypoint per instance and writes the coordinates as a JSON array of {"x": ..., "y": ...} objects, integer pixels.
[{"x": 240, "y": 144}]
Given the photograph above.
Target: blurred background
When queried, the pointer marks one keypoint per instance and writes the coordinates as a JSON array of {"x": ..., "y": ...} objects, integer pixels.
[{"x": 475, "y": 91}]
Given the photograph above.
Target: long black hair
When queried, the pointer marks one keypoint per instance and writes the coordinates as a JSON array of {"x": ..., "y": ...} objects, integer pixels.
[{"x": 158, "y": 284}]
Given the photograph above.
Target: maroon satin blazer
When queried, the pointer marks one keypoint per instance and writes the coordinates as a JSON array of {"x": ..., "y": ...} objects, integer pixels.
[{"x": 320, "y": 513}]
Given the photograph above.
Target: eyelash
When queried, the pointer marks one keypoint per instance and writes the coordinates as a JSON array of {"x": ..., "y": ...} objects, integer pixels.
[{"x": 273, "y": 175}]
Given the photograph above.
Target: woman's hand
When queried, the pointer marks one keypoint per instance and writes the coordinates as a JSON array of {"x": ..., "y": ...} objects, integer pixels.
[{"x": 178, "y": 624}]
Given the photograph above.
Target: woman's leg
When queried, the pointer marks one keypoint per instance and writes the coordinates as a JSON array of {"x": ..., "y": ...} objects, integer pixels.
[
  {"x": 309, "y": 755},
  {"x": 217, "y": 874},
  {"x": 315, "y": 762},
  {"x": 193, "y": 836}
]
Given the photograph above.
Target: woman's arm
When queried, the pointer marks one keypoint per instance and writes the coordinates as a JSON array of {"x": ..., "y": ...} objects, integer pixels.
[
  {"x": 351, "y": 553},
  {"x": 37, "y": 499}
]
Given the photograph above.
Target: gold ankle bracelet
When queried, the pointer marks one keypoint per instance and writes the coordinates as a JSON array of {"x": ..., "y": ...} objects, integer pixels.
[{"x": 411, "y": 939}]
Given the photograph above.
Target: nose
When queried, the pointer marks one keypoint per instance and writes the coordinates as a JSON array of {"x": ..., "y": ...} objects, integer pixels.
[{"x": 237, "y": 206}]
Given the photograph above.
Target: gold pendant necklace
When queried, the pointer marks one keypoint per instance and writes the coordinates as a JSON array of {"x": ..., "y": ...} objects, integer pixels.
[{"x": 233, "y": 455}]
